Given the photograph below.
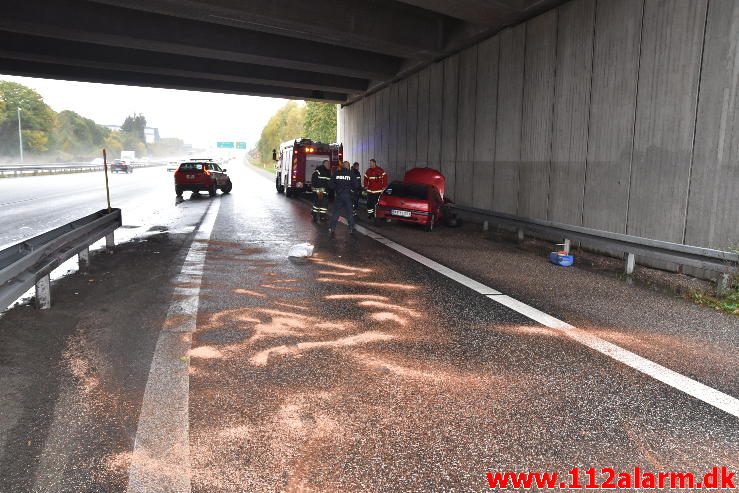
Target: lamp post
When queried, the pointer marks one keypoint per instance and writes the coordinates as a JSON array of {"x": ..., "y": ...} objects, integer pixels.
[{"x": 20, "y": 134}]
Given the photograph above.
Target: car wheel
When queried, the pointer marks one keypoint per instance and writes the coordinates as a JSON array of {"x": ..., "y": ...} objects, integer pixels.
[
  {"x": 227, "y": 188},
  {"x": 178, "y": 190},
  {"x": 278, "y": 185},
  {"x": 288, "y": 192},
  {"x": 212, "y": 189}
]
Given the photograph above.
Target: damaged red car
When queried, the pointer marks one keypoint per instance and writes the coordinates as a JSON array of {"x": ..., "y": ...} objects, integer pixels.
[{"x": 418, "y": 199}]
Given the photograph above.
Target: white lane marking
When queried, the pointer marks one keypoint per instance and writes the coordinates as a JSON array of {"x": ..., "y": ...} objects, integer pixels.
[
  {"x": 676, "y": 380},
  {"x": 161, "y": 454}
]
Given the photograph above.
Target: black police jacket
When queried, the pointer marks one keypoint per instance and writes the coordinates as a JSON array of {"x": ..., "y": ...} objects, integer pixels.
[{"x": 343, "y": 183}]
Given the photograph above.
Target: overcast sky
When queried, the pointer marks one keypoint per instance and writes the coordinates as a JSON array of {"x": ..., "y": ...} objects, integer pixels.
[{"x": 199, "y": 118}]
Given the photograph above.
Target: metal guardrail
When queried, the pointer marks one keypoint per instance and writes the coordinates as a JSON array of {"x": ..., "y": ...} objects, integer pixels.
[
  {"x": 724, "y": 262},
  {"x": 39, "y": 169},
  {"x": 30, "y": 262}
]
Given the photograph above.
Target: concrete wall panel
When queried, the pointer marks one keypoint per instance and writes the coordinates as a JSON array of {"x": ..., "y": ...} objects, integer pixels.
[
  {"x": 411, "y": 123},
  {"x": 713, "y": 206},
  {"x": 486, "y": 95},
  {"x": 402, "y": 124},
  {"x": 617, "y": 114},
  {"x": 672, "y": 42},
  {"x": 371, "y": 117},
  {"x": 436, "y": 84},
  {"x": 362, "y": 126},
  {"x": 382, "y": 123},
  {"x": 538, "y": 103},
  {"x": 422, "y": 123},
  {"x": 571, "y": 111},
  {"x": 612, "y": 107},
  {"x": 449, "y": 122},
  {"x": 466, "y": 126},
  {"x": 392, "y": 158},
  {"x": 508, "y": 120}
]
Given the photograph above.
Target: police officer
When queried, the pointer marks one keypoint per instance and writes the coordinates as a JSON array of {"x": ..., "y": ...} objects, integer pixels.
[
  {"x": 319, "y": 182},
  {"x": 343, "y": 186},
  {"x": 375, "y": 181},
  {"x": 357, "y": 177}
]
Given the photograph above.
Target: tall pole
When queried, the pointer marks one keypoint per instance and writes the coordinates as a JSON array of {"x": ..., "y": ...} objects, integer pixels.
[
  {"x": 20, "y": 134},
  {"x": 105, "y": 167}
]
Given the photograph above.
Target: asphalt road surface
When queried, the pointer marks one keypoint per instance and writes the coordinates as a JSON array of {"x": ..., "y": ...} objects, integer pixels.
[
  {"x": 228, "y": 367},
  {"x": 31, "y": 205}
]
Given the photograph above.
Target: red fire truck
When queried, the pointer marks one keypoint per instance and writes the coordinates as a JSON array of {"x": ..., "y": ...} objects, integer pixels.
[{"x": 296, "y": 161}]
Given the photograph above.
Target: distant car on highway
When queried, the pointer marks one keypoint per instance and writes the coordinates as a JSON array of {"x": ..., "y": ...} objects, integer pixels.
[
  {"x": 121, "y": 166},
  {"x": 201, "y": 176}
]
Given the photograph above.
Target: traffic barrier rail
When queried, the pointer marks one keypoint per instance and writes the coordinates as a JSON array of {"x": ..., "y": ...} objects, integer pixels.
[
  {"x": 30, "y": 262},
  {"x": 726, "y": 263},
  {"x": 7, "y": 171}
]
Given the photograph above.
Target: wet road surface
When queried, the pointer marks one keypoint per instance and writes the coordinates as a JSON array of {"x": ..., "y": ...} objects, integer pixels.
[
  {"x": 32, "y": 205},
  {"x": 356, "y": 370},
  {"x": 361, "y": 370}
]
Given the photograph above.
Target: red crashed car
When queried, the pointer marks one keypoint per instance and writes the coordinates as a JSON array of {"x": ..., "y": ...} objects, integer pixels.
[
  {"x": 201, "y": 176},
  {"x": 418, "y": 199}
]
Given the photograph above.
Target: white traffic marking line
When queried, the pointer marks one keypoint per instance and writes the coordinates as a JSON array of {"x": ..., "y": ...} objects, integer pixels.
[
  {"x": 161, "y": 454},
  {"x": 680, "y": 382}
]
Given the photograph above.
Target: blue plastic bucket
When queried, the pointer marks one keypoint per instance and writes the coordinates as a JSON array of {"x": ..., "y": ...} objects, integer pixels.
[{"x": 562, "y": 260}]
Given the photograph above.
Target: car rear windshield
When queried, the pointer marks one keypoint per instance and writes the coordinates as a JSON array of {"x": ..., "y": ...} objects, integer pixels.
[
  {"x": 408, "y": 190},
  {"x": 191, "y": 167}
]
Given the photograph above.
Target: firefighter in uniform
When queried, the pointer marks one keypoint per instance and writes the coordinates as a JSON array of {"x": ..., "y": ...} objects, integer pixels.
[
  {"x": 357, "y": 177},
  {"x": 319, "y": 182},
  {"x": 343, "y": 186},
  {"x": 375, "y": 181}
]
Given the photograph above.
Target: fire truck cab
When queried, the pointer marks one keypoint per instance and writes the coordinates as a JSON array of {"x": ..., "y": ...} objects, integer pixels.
[{"x": 298, "y": 159}]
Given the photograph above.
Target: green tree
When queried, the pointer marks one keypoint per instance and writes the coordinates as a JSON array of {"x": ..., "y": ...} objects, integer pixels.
[
  {"x": 135, "y": 125},
  {"x": 38, "y": 120},
  {"x": 78, "y": 136},
  {"x": 320, "y": 122},
  {"x": 113, "y": 144},
  {"x": 287, "y": 123}
]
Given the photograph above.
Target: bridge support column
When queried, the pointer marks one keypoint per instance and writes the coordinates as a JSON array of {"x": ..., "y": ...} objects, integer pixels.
[{"x": 43, "y": 293}]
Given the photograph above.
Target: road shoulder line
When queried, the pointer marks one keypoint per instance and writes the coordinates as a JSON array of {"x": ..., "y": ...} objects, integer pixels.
[{"x": 161, "y": 455}]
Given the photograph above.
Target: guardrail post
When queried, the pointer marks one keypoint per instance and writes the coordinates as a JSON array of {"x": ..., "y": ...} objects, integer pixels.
[
  {"x": 485, "y": 226},
  {"x": 520, "y": 234},
  {"x": 109, "y": 242},
  {"x": 43, "y": 293},
  {"x": 84, "y": 258},
  {"x": 722, "y": 284},
  {"x": 566, "y": 247},
  {"x": 630, "y": 262}
]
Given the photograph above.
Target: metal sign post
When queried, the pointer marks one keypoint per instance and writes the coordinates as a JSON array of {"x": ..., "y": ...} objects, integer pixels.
[{"x": 105, "y": 167}]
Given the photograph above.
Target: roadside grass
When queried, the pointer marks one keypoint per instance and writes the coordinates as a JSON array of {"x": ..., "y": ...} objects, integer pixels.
[{"x": 728, "y": 303}]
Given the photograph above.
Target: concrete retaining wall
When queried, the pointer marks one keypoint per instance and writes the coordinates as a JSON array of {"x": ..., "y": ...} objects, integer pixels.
[{"x": 621, "y": 115}]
